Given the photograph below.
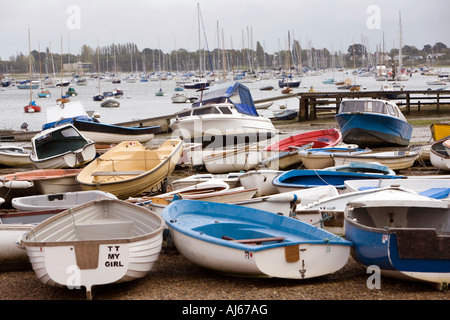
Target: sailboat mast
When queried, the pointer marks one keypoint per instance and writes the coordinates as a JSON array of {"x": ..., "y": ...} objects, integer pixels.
[
  {"x": 29, "y": 60},
  {"x": 40, "y": 66}
]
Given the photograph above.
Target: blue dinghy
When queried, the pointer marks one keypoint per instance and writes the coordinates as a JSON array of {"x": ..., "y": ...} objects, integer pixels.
[
  {"x": 403, "y": 233},
  {"x": 248, "y": 242},
  {"x": 296, "y": 179}
]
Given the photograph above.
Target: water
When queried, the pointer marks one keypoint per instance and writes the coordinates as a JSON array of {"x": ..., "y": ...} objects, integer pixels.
[{"x": 139, "y": 100}]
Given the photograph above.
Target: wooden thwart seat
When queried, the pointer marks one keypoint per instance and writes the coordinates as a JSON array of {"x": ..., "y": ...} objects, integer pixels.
[
  {"x": 255, "y": 241},
  {"x": 117, "y": 173}
]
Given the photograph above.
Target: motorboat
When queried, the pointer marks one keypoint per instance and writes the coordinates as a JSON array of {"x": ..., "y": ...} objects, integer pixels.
[{"x": 225, "y": 115}]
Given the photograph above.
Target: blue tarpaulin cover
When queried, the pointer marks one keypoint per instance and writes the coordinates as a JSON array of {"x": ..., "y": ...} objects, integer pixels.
[{"x": 233, "y": 92}]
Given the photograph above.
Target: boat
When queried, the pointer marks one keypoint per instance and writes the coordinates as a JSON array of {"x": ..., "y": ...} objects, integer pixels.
[
  {"x": 320, "y": 138},
  {"x": 373, "y": 123},
  {"x": 364, "y": 167},
  {"x": 44, "y": 94},
  {"x": 105, "y": 241},
  {"x": 196, "y": 83},
  {"x": 440, "y": 130},
  {"x": 321, "y": 158},
  {"x": 74, "y": 112},
  {"x": 14, "y": 156},
  {"x": 432, "y": 188},
  {"x": 263, "y": 105},
  {"x": 111, "y": 134},
  {"x": 130, "y": 168},
  {"x": 232, "y": 179},
  {"x": 64, "y": 200},
  {"x": 396, "y": 160},
  {"x": 201, "y": 192},
  {"x": 289, "y": 82},
  {"x": 13, "y": 225},
  {"x": 27, "y": 84},
  {"x": 110, "y": 103},
  {"x": 261, "y": 179},
  {"x": 222, "y": 237},
  {"x": 34, "y": 182},
  {"x": 266, "y": 88},
  {"x": 32, "y": 107},
  {"x": 284, "y": 153},
  {"x": 71, "y": 92},
  {"x": 242, "y": 158},
  {"x": 225, "y": 115},
  {"x": 61, "y": 147},
  {"x": 116, "y": 93},
  {"x": 287, "y": 114},
  {"x": 328, "y": 212},
  {"x": 439, "y": 156},
  {"x": 297, "y": 179},
  {"x": 405, "y": 235},
  {"x": 446, "y": 145},
  {"x": 286, "y": 203},
  {"x": 179, "y": 97}
]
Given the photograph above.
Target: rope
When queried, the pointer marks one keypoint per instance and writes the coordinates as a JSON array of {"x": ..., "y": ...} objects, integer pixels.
[{"x": 321, "y": 177}]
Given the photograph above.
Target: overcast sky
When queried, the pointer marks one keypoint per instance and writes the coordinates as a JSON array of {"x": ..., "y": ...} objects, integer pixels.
[{"x": 173, "y": 24}]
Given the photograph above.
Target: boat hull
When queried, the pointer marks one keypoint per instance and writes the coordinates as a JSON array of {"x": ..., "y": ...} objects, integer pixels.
[
  {"x": 201, "y": 241},
  {"x": 218, "y": 132},
  {"x": 440, "y": 130},
  {"x": 373, "y": 130},
  {"x": 95, "y": 247},
  {"x": 130, "y": 169},
  {"x": 295, "y": 179},
  {"x": 395, "y": 160},
  {"x": 110, "y": 134},
  {"x": 404, "y": 234},
  {"x": 38, "y": 182}
]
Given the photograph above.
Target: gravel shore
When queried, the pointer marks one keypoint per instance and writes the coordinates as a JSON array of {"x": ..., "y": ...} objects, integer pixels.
[{"x": 176, "y": 278}]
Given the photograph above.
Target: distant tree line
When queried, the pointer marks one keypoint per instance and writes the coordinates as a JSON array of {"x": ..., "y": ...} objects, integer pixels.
[{"x": 127, "y": 58}]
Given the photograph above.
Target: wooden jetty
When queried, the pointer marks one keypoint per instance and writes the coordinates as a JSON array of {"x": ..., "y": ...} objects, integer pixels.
[{"x": 310, "y": 101}]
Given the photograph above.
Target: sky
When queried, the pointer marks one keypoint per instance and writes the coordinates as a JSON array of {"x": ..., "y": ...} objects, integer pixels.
[{"x": 233, "y": 24}]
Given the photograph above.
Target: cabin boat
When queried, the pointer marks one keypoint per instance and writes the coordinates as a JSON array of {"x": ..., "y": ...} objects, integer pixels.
[
  {"x": 226, "y": 115},
  {"x": 61, "y": 147},
  {"x": 373, "y": 123}
]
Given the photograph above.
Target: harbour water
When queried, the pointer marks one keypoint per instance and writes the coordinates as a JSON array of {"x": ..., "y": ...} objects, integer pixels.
[{"x": 139, "y": 100}]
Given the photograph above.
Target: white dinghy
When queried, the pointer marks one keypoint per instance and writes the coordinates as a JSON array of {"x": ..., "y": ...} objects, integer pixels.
[{"x": 104, "y": 241}]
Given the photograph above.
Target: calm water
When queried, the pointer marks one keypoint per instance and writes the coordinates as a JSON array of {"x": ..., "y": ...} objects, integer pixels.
[{"x": 139, "y": 100}]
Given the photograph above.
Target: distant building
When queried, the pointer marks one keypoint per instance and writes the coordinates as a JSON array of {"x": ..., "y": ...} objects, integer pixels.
[{"x": 77, "y": 67}]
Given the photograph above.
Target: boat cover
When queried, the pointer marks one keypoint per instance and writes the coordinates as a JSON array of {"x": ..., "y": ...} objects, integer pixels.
[{"x": 233, "y": 92}]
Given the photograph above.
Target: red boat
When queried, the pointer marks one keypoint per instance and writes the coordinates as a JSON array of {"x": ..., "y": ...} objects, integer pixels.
[
  {"x": 320, "y": 138},
  {"x": 32, "y": 107}
]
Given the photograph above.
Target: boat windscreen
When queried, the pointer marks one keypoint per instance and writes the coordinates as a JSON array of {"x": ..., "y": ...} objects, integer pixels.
[{"x": 363, "y": 106}]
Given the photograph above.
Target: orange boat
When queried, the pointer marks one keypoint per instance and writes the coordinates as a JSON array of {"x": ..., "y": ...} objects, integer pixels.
[{"x": 32, "y": 107}]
